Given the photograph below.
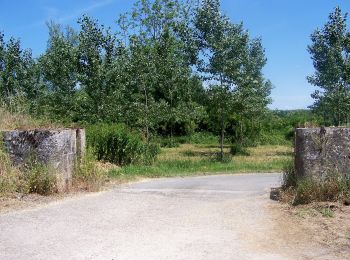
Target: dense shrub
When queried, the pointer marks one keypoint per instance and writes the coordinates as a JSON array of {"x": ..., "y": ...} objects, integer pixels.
[
  {"x": 237, "y": 149},
  {"x": 168, "y": 142},
  {"x": 203, "y": 138},
  {"x": 274, "y": 138},
  {"x": 117, "y": 144},
  {"x": 150, "y": 153}
]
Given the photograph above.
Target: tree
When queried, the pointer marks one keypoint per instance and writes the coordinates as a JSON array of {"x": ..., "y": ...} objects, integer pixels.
[
  {"x": 330, "y": 52},
  {"x": 59, "y": 72},
  {"x": 17, "y": 74},
  {"x": 162, "y": 78},
  {"x": 252, "y": 94},
  {"x": 96, "y": 51},
  {"x": 231, "y": 63}
]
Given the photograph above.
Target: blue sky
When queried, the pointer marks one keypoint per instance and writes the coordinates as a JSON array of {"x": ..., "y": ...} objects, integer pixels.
[{"x": 283, "y": 25}]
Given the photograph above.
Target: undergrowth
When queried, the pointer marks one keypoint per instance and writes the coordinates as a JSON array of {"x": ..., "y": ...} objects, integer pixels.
[
  {"x": 333, "y": 187},
  {"x": 88, "y": 175},
  {"x": 9, "y": 176},
  {"x": 33, "y": 177},
  {"x": 10, "y": 120},
  {"x": 40, "y": 179}
]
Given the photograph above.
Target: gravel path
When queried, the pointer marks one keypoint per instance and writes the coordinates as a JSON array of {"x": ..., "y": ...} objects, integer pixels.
[{"x": 211, "y": 217}]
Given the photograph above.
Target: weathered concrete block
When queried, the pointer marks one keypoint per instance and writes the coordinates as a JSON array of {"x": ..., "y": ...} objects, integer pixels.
[
  {"x": 322, "y": 151},
  {"x": 59, "y": 149}
]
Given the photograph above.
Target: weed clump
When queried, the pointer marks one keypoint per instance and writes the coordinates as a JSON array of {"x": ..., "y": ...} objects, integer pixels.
[
  {"x": 88, "y": 175},
  {"x": 289, "y": 178},
  {"x": 33, "y": 177},
  {"x": 40, "y": 179},
  {"x": 332, "y": 188},
  {"x": 9, "y": 176}
]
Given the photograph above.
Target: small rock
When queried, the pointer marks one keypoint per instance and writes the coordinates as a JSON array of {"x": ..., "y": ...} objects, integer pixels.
[{"x": 275, "y": 194}]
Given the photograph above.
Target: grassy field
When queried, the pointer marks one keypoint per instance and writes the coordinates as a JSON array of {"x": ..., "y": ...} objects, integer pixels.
[{"x": 197, "y": 159}]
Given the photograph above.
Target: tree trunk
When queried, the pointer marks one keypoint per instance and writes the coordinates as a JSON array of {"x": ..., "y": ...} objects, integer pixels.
[
  {"x": 222, "y": 138},
  {"x": 147, "y": 119}
]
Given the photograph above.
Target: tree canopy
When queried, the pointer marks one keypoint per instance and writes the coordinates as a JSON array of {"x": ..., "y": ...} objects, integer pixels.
[
  {"x": 170, "y": 68},
  {"x": 330, "y": 52}
]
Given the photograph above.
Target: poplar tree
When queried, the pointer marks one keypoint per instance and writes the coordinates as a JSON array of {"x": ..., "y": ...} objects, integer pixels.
[
  {"x": 231, "y": 64},
  {"x": 330, "y": 53}
]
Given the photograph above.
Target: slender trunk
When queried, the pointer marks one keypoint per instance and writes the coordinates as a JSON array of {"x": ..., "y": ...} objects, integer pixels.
[
  {"x": 222, "y": 137},
  {"x": 241, "y": 134},
  {"x": 146, "y": 107},
  {"x": 171, "y": 118},
  {"x": 222, "y": 125}
]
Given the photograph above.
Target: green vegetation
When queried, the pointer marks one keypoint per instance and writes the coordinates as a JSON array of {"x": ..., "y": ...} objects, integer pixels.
[
  {"x": 332, "y": 188},
  {"x": 119, "y": 145},
  {"x": 88, "y": 175},
  {"x": 330, "y": 54},
  {"x": 171, "y": 68},
  {"x": 176, "y": 74},
  {"x": 189, "y": 159},
  {"x": 32, "y": 177},
  {"x": 38, "y": 179},
  {"x": 8, "y": 174}
]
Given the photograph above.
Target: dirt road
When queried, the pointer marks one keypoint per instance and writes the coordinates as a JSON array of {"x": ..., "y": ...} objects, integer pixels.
[{"x": 216, "y": 217}]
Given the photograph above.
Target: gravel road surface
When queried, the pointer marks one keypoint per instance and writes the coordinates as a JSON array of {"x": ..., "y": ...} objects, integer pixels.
[{"x": 209, "y": 217}]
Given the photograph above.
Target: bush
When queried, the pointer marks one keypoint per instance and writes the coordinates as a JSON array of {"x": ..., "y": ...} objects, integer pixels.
[
  {"x": 273, "y": 138},
  {"x": 168, "y": 142},
  {"x": 117, "y": 144},
  {"x": 150, "y": 154},
  {"x": 203, "y": 138},
  {"x": 237, "y": 149}
]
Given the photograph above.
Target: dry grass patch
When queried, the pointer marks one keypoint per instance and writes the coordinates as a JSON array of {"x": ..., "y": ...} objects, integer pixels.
[
  {"x": 21, "y": 120},
  {"x": 327, "y": 224},
  {"x": 196, "y": 152},
  {"x": 10, "y": 121}
]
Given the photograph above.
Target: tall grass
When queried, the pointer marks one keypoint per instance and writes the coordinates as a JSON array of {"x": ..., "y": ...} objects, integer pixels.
[
  {"x": 32, "y": 178},
  {"x": 88, "y": 175},
  {"x": 9, "y": 176},
  {"x": 20, "y": 119},
  {"x": 331, "y": 188},
  {"x": 10, "y": 121}
]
